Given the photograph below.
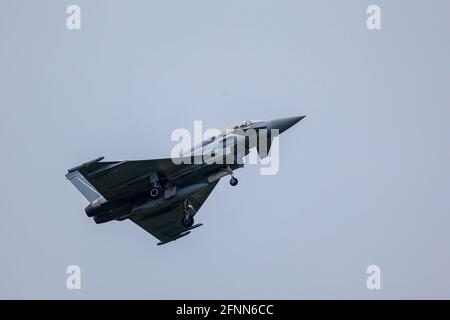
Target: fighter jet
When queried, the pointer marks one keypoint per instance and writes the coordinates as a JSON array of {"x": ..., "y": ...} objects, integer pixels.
[{"x": 162, "y": 196}]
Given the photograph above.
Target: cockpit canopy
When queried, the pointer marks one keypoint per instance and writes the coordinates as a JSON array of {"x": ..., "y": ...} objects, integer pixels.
[{"x": 239, "y": 125}]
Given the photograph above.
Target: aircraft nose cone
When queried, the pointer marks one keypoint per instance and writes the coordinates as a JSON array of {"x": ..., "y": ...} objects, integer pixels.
[{"x": 285, "y": 123}]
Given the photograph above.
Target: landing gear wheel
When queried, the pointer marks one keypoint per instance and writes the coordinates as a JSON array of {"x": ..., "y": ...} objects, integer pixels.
[
  {"x": 155, "y": 193},
  {"x": 188, "y": 221},
  {"x": 234, "y": 181}
]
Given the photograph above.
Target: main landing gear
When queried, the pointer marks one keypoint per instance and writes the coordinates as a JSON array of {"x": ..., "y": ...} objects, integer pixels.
[{"x": 189, "y": 213}]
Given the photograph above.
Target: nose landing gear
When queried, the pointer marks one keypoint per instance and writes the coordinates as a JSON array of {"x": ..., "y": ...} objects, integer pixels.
[{"x": 233, "y": 181}]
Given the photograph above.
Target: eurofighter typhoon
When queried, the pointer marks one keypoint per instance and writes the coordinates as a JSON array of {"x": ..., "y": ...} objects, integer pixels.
[{"x": 162, "y": 196}]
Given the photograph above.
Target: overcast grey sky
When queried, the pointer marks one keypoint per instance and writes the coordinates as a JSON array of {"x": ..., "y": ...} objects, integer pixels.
[{"x": 364, "y": 179}]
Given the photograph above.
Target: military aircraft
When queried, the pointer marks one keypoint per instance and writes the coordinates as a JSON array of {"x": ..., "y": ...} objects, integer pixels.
[{"x": 162, "y": 196}]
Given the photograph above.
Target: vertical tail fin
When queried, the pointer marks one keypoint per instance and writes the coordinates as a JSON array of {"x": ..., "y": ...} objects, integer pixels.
[{"x": 86, "y": 189}]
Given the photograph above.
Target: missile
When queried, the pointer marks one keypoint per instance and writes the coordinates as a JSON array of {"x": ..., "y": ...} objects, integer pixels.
[{"x": 162, "y": 202}]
